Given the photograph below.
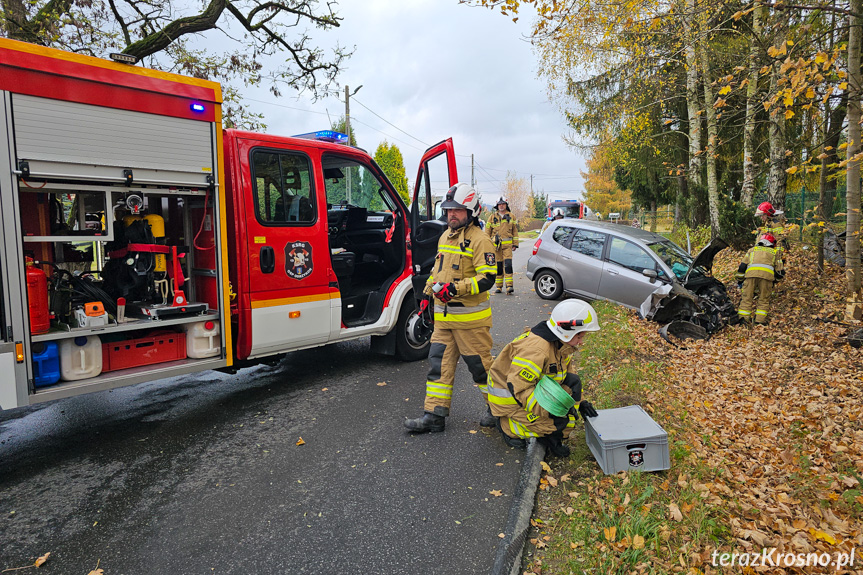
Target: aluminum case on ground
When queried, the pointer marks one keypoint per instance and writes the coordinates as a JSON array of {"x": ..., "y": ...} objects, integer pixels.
[{"x": 627, "y": 439}]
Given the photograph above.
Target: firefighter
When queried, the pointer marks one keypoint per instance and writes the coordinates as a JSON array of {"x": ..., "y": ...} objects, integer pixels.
[
  {"x": 760, "y": 268},
  {"x": 532, "y": 385},
  {"x": 557, "y": 215},
  {"x": 771, "y": 224},
  {"x": 462, "y": 274},
  {"x": 502, "y": 228}
]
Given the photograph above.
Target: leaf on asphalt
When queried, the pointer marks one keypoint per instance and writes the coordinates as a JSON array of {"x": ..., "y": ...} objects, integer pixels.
[
  {"x": 325, "y": 389},
  {"x": 545, "y": 466},
  {"x": 472, "y": 431},
  {"x": 496, "y": 492},
  {"x": 498, "y": 464},
  {"x": 674, "y": 512},
  {"x": 42, "y": 559},
  {"x": 610, "y": 533},
  {"x": 381, "y": 383},
  {"x": 638, "y": 542},
  {"x": 501, "y": 535},
  {"x": 300, "y": 441},
  {"x": 97, "y": 572}
]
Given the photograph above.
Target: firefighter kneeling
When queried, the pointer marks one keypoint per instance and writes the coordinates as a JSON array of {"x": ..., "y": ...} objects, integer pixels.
[
  {"x": 761, "y": 266},
  {"x": 532, "y": 386}
]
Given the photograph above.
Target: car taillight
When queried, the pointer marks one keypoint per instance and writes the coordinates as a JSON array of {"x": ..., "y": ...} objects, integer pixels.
[{"x": 536, "y": 245}]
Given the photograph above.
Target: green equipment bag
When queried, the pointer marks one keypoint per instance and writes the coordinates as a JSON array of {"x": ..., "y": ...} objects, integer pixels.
[{"x": 552, "y": 397}]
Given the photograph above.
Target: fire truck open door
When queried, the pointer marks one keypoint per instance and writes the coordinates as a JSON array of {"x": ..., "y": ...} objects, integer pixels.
[
  {"x": 437, "y": 172},
  {"x": 286, "y": 296}
]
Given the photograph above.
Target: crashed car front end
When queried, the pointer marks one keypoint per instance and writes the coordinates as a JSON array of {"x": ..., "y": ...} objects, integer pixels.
[{"x": 695, "y": 305}]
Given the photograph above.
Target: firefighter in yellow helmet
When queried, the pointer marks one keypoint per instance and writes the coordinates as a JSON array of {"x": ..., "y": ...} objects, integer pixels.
[
  {"x": 532, "y": 386},
  {"x": 502, "y": 228},
  {"x": 760, "y": 268},
  {"x": 463, "y": 272}
]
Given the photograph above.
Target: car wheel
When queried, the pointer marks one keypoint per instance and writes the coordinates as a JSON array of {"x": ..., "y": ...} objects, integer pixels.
[
  {"x": 548, "y": 285},
  {"x": 410, "y": 347}
]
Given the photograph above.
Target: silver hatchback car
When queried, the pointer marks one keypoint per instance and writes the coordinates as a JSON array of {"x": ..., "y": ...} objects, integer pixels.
[{"x": 602, "y": 260}]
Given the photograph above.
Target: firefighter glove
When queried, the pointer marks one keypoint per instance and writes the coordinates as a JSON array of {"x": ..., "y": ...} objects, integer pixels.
[
  {"x": 446, "y": 292},
  {"x": 741, "y": 269},
  {"x": 585, "y": 408},
  {"x": 779, "y": 275},
  {"x": 497, "y": 242},
  {"x": 424, "y": 303}
]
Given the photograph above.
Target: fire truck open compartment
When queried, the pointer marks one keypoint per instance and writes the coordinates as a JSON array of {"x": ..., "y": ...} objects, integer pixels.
[{"x": 119, "y": 208}]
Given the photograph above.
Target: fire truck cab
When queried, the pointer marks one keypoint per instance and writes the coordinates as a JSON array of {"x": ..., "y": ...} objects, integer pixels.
[{"x": 141, "y": 241}]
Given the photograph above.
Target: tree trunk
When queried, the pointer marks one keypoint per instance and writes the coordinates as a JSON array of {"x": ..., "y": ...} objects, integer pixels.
[
  {"x": 822, "y": 188},
  {"x": 852, "y": 238},
  {"x": 653, "y": 216},
  {"x": 777, "y": 178},
  {"x": 712, "y": 141},
  {"x": 692, "y": 105},
  {"x": 749, "y": 171}
]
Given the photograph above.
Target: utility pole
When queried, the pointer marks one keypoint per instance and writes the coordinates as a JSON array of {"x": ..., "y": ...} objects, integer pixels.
[{"x": 472, "y": 178}]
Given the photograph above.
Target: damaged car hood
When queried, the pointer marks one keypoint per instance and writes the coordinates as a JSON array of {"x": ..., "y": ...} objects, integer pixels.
[{"x": 698, "y": 298}]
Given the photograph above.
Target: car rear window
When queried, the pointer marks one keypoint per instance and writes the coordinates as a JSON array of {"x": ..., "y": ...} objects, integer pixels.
[
  {"x": 589, "y": 243},
  {"x": 561, "y": 234}
]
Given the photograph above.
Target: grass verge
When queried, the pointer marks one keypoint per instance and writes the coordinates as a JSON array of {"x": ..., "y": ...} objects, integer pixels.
[{"x": 586, "y": 522}]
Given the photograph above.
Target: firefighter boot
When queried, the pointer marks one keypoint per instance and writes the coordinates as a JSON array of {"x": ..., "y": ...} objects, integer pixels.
[
  {"x": 428, "y": 422},
  {"x": 554, "y": 443},
  {"x": 516, "y": 442},
  {"x": 487, "y": 419}
]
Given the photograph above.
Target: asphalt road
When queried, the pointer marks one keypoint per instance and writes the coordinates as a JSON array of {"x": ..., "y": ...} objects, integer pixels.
[{"x": 203, "y": 474}]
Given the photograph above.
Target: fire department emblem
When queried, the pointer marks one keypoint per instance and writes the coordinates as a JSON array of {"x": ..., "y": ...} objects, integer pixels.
[
  {"x": 489, "y": 259},
  {"x": 298, "y": 260},
  {"x": 636, "y": 458}
]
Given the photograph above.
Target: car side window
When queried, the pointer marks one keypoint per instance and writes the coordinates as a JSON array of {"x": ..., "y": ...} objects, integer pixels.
[
  {"x": 589, "y": 243},
  {"x": 561, "y": 234},
  {"x": 629, "y": 255}
]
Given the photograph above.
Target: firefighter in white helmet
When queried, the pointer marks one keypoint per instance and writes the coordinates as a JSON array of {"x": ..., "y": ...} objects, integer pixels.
[
  {"x": 533, "y": 387},
  {"x": 502, "y": 228},
  {"x": 463, "y": 272},
  {"x": 557, "y": 214}
]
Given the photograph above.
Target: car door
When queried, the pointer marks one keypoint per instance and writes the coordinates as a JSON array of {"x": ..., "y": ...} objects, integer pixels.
[
  {"x": 286, "y": 237},
  {"x": 581, "y": 263},
  {"x": 437, "y": 173},
  {"x": 623, "y": 280}
]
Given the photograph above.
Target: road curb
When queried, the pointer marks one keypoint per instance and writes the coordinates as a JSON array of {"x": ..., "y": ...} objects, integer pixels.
[{"x": 507, "y": 561}]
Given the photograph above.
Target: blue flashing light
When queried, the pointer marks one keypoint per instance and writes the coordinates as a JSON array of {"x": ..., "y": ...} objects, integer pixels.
[
  {"x": 325, "y": 136},
  {"x": 197, "y": 107}
]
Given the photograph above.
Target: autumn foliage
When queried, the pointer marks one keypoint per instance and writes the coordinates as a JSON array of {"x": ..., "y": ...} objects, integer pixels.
[{"x": 766, "y": 433}]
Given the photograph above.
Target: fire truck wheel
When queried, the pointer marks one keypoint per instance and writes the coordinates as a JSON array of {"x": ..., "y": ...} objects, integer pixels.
[
  {"x": 548, "y": 285},
  {"x": 407, "y": 349}
]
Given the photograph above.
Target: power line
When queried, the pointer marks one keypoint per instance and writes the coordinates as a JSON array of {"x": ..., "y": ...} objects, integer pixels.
[
  {"x": 284, "y": 106},
  {"x": 390, "y": 123}
]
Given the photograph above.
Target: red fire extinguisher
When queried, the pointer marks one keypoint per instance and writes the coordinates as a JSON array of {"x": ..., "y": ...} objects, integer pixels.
[{"x": 37, "y": 298}]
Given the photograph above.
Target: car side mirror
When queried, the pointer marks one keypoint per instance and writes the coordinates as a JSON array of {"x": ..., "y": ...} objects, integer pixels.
[{"x": 650, "y": 274}]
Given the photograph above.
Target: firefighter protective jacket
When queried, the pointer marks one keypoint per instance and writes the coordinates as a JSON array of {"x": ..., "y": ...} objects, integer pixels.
[
  {"x": 515, "y": 372},
  {"x": 505, "y": 227},
  {"x": 763, "y": 262},
  {"x": 465, "y": 258}
]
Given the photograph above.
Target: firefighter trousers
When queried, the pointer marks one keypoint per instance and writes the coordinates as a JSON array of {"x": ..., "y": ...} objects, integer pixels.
[
  {"x": 764, "y": 289},
  {"x": 503, "y": 256},
  {"x": 474, "y": 345}
]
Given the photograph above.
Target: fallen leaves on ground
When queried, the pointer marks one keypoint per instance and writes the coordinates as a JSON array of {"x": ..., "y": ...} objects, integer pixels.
[
  {"x": 300, "y": 441},
  {"x": 496, "y": 492}
]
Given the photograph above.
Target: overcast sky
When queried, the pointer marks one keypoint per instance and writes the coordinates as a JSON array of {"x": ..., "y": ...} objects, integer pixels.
[{"x": 437, "y": 69}]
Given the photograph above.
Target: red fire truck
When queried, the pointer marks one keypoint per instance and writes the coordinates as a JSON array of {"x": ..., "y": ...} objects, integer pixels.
[{"x": 142, "y": 241}]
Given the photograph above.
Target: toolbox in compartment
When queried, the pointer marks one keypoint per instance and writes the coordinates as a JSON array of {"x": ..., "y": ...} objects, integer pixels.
[{"x": 158, "y": 347}]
